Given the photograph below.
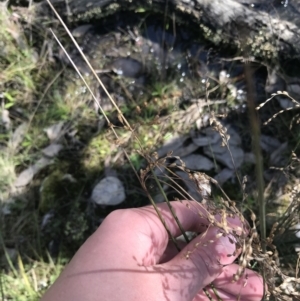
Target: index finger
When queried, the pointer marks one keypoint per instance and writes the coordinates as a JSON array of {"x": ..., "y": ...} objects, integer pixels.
[{"x": 144, "y": 229}]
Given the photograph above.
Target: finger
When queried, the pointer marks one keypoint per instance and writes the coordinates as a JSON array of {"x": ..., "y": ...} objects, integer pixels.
[
  {"x": 199, "y": 263},
  {"x": 210, "y": 294},
  {"x": 250, "y": 286},
  {"x": 145, "y": 234},
  {"x": 193, "y": 216}
]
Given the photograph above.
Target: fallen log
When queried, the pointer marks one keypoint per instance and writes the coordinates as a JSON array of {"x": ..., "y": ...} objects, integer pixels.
[{"x": 272, "y": 36}]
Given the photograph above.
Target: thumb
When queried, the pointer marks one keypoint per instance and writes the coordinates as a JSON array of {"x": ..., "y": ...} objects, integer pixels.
[{"x": 199, "y": 263}]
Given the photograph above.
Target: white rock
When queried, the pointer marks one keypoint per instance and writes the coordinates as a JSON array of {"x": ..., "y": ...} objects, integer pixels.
[
  {"x": 55, "y": 131},
  {"x": 27, "y": 175},
  {"x": 109, "y": 191},
  {"x": 52, "y": 150},
  {"x": 197, "y": 162},
  {"x": 18, "y": 135},
  {"x": 24, "y": 177},
  {"x": 5, "y": 120},
  {"x": 41, "y": 163}
]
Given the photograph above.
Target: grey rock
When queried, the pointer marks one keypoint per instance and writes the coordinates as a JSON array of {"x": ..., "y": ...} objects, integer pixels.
[
  {"x": 215, "y": 149},
  {"x": 209, "y": 136},
  {"x": 172, "y": 144},
  {"x": 277, "y": 176},
  {"x": 225, "y": 157},
  {"x": 127, "y": 67},
  {"x": 224, "y": 175},
  {"x": 81, "y": 30},
  {"x": 277, "y": 157},
  {"x": 285, "y": 102},
  {"x": 192, "y": 189},
  {"x": 197, "y": 162},
  {"x": 294, "y": 90},
  {"x": 202, "y": 140},
  {"x": 185, "y": 150},
  {"x": 268, "y": 143},
  {"x": 206, "y": 137},
  {"x": 235, "y": 138},
  {"x": 249, "y": 158}
]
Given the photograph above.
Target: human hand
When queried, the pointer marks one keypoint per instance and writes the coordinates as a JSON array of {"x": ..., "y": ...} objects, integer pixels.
[{"x": 129, "y": 258}]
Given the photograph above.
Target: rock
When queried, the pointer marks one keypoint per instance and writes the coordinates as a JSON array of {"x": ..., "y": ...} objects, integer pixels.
[
  {"x": 249, "y": 158},
  {"x": 215, "y": 149},
  {"x": 294, "y": 90},
  {"x": 172, "y": 144},
  {"x": 276, "y": 176},
  {"x": 197, "y": 162},
  {"x": 277, "y": 157},
  {"x": 268, "y": 143},
  {"x": 185, "y": 150},
  {"x": 285, "y": 102},
  {"x": 206, "y": 137},
  {"x": 127, "y": 67},
  {"x": 224, "y": 175},
  {"x": 224, "y": 157},
  {"x": 191, "y": 186},
  {"x": 202, "y": 140},
  {"x": 209, "y": 136},
  {"x": 109, "y": 192},
  {"x": 81, "y": 30},
  {"x": 235, "y": 138}
]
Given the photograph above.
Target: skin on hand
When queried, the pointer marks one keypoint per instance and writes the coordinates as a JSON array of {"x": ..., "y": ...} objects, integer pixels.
[{"x": 130, "y": 258}]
